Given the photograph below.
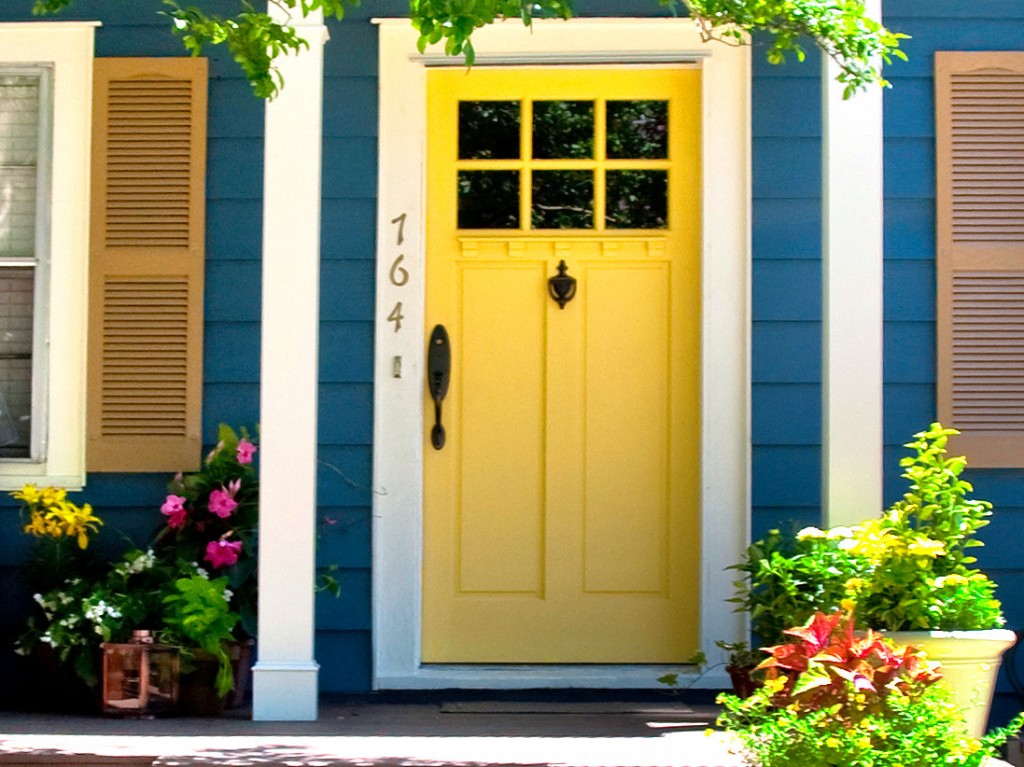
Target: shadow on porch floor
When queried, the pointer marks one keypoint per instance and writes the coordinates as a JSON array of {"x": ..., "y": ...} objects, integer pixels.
[{"x": 389, "y": 731}]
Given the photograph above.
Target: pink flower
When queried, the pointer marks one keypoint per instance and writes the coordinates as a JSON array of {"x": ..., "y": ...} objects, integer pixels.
[
  {"x": 222, "y": 502},
  {"x": 223, "y": 553},
  {"x": 245, "y": 451},
  {"x": 174, "y": 510}
]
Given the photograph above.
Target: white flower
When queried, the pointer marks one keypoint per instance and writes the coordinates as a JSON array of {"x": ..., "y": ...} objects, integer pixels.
[
  {"x": 38, "y": 598},
  {"x": 810, "y": 532},
  {"x": 142, "y": 562},
  {"x": 228, "y": 593}
]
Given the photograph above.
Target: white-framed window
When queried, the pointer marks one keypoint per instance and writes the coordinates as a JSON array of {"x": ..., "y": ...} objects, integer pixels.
[
  {"x": 25, "y": 137},
  {"x": 45, "y": 130}
]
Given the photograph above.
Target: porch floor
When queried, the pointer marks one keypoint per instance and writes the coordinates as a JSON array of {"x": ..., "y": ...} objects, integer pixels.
[{"x": 388, "y": 731}]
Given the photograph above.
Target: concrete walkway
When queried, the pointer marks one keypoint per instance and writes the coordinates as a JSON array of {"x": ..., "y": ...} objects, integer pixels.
[
  {"x": 393, "y": 733},
  {"x": 368, "y": 733}
]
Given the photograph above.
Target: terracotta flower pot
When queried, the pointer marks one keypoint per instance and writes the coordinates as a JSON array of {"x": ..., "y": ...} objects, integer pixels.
[{"x": 743, "y": 684}]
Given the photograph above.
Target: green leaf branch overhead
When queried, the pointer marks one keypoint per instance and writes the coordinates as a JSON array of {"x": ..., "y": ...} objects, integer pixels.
[{"x": 840, "y": 28}]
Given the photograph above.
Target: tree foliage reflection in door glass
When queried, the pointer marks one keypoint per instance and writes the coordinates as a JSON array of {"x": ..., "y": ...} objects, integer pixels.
[
  {"x": 638, "y": 129},
  {"x": 488, "y": 130},
  {"x": 563, "y": 130}
]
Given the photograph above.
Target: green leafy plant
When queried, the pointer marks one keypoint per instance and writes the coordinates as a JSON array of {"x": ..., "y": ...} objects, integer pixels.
[
  {"x": 211, "y": 519},
  {"x": 741, "y": 654},
  {"x": 908, "y": 569},
  {"x": 75, "y": 617},
  {"x": 841, "y": 28},
  {"x": 787, "y": 578},
  {"x": 197, "y": 615},
  {"x": 920, "y": 574},
  {"x": 840, "y": 699}
]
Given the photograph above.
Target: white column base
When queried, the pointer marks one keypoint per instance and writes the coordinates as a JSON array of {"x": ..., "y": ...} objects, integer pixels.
[{"x": 285, "y": 692}]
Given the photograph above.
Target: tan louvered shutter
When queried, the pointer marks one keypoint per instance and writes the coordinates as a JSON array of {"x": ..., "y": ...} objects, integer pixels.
[
  {"x": 980, "y": 262},
  {"x": 147, "y": 261}
]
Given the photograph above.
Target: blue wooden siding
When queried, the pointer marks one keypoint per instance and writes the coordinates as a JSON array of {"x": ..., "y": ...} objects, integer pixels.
[
  {"x": 786, "y": 332},
  {"x": 129, "y": 504},
  {"x": 910, "y": 267},
  {"x": 786, "y": 293}
]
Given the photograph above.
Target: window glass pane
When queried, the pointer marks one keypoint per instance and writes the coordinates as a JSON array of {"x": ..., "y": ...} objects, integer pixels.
[
  {"x": 16, "y": 310},
  {"x": 563, "y": 130},
  {"x": 488, "y": 130},
  {"x": 17, "y": 211},
  {"x": 19, "y": 146},
  {"x": 489, "y": 199},
  {"x": 19, "y": 119},
  {"x": 563, "y": 199},
  {"x": 636, "y": 199},
  {"x": 638, "y": 130}
]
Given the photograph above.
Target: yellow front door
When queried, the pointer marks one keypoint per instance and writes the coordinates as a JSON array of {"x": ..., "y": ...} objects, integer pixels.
[{"x": 561, "y": 514}]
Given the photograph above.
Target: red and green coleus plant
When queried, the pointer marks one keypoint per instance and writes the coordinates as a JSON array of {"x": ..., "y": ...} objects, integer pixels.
[
  {"x": 837, "y": 698},
  {"x": 831, "y": 666},
  {"x": 211, "y": 518}
]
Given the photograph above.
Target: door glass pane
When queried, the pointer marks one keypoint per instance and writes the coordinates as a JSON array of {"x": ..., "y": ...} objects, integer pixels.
[
  {"x": 489, "y": 199},
  {"x": 636, "y": 199},
  {"x": 638, "y": 130},
  {"x": 563, "y": 130},
  {"x": 16, "y": 309},
  {"x": 563, "y": 199},
  {"x": 488, "y": 130}
]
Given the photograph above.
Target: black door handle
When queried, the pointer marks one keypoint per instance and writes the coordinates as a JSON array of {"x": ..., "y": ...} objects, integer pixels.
[{"x": 439, "y": 370}]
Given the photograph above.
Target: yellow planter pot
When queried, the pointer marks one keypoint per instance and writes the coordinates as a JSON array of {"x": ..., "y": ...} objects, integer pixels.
[{"x": 970, "y": 661}]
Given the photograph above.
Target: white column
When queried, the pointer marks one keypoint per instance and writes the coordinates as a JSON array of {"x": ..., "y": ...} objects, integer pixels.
[
  {"x": 852, "y": 300},
  {"x": 285, "y": 675}
]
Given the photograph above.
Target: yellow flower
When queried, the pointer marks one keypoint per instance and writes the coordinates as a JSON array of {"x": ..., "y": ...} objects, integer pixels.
[
  {"x": 922, "y": 546},
  {"x": 29, "y": 494},
  {"x": 51, "y": 515}
]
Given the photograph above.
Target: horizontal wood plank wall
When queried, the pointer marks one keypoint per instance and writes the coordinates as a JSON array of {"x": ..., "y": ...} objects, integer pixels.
[
  {"x": 347, "y": 301},
  {"x": 787, "y": 307},
  {"x": 130, "y": 503},
  {"x": 910, "y": 277}
]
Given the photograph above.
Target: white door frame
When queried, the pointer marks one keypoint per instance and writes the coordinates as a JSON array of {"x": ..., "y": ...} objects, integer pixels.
[{"x": 400, "y": 345}]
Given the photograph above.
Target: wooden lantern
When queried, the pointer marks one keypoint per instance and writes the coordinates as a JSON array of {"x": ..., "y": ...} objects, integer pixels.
[{"x": 140, "y": 677}]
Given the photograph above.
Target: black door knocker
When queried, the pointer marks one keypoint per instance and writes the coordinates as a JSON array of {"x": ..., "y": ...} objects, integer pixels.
[{"x": 562, "y": 287}]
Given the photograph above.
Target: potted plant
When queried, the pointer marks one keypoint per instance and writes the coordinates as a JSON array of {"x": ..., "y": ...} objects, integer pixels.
[
  {"x": 785, "y": 580},
  {"x": 909, "y": 569},
  {"x": 741, "y": 661},
  {"x": 920, "y": 579},
  {"x": 210, "y": 524},
  {"x": 198, "y": 618},
  {"x": 86, "y": 610},
  {"x": 836, "y": 698}
]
